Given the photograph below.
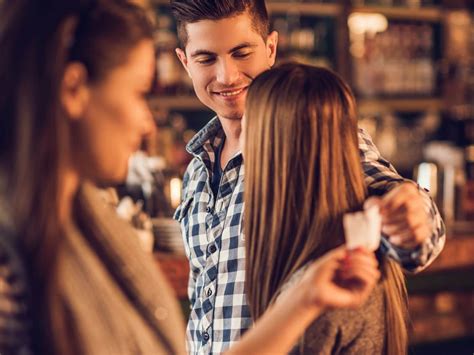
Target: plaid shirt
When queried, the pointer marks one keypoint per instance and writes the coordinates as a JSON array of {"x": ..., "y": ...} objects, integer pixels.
[{"x": 214, "y": 243}]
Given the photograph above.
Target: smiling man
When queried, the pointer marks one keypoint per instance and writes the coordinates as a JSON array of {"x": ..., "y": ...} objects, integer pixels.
[{"x": 224, "y": 45}]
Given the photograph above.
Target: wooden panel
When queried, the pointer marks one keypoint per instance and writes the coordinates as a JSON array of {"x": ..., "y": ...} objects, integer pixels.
[
  {"x": 176, "y": 269},
  {"x": 457, "y": 253}
]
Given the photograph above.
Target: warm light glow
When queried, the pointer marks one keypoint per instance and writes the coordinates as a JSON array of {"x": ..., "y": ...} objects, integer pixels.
[
  {"x": 371, "y": 23},
  {"x": 427, "y": 177},
  {"x": 175, "y": 192}
]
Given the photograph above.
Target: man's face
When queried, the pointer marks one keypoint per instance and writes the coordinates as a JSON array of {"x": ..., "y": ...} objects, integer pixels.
[{"x": 222, "y": 58}]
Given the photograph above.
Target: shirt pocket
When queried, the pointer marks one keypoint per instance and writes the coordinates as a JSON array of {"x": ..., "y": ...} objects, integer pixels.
[{"x": 183, "y": 209}]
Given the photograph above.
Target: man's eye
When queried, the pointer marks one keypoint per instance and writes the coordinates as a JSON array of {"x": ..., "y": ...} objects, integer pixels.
[
  {"x": 206, "y": 61},
  {"x": 242, "y": 54}
]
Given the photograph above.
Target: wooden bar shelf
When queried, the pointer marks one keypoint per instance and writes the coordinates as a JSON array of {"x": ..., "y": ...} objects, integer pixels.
[
  {"x": 431, "y": 14},
  {"x": 305, "y": 8},
  {"x": 177, "y": 102}
]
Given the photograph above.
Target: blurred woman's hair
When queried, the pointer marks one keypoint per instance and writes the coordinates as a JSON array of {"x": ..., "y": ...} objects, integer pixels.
[
  {"x": 38, "y": 39},
  {"x": 302, "y": 173}
]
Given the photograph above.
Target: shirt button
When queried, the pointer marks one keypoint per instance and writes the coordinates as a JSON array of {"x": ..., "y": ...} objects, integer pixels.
[
  {"x": 205, "y": 336},
  {"x": 209, "y": 292},
  {"x": 212, "y": 249}
]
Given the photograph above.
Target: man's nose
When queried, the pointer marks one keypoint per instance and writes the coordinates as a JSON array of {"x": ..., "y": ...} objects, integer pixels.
[{"x": 227, "y": 72}]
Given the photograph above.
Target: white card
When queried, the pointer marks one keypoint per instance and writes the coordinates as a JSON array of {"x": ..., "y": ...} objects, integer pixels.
[{"x": 363, "y": 229}]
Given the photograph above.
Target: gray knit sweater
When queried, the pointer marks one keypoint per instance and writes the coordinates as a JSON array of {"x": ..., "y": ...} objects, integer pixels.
[
  {"x": 345, "y": 331},
  {"x": 15, "y": 322},
  {"x": 110, "y": 297}
]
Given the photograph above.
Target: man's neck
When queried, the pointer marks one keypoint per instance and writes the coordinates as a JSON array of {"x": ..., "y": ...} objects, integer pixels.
[{"x": 232, "y": 130}]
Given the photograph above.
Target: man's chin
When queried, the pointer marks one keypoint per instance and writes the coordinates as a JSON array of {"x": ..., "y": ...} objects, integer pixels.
[{"x": 234, "y": 115}]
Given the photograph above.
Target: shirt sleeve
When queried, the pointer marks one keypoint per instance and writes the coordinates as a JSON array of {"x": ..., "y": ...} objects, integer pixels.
[{"x": 381, "y": 177}]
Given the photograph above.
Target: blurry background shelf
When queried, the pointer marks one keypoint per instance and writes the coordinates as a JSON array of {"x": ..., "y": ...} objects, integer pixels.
[
  {"x": 320, "y": 9},
  {"x": 370, "y": 106},
  {"x": 458, "y": 253},
  {"x": 187, "y": 102},
  {"x": 365, "y": 106},
  {"x": 449, "y": 317},
  {"x": 441, "y": 301},
  {"x": 432, "y": 14},
  {"x": 326, "y": 9},
  {"x": 176, "y": 270}
]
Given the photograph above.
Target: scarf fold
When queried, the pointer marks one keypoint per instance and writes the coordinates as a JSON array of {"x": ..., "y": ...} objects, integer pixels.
[{"x": 108, "y": 290}]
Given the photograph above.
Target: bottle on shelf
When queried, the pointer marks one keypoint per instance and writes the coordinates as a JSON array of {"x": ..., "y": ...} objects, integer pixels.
[
  {"x": 305, "y": 38},
  {"x": 172, "y": 79},
  {"x": 468, "y": 190},
  {"x": 397, "y": 61}
]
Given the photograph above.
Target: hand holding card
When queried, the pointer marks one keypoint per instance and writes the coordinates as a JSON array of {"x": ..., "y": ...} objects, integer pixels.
[{"x": 363, "y": 229}]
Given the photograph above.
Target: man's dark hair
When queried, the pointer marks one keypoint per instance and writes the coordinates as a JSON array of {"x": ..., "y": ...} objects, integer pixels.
[{"x": 191, "y": 11}]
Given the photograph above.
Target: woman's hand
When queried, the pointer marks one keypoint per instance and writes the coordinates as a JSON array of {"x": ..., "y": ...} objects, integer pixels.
[{"x": 341, "y": 278}]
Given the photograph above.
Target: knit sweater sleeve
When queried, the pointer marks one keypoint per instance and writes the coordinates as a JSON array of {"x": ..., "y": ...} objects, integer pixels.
[{"x": 15, "y": 322}]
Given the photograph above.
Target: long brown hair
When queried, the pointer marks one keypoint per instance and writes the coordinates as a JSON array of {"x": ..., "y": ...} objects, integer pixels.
[
  {"x": 302, "y": 173},
  {"x": 38, "y": 38}
]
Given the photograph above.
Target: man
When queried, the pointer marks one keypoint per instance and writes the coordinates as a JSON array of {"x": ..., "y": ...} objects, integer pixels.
[{"x": 224, "y": 45}]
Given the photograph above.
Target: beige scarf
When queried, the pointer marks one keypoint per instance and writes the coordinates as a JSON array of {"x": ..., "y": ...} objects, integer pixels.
[{"x": 110, "y": 296}]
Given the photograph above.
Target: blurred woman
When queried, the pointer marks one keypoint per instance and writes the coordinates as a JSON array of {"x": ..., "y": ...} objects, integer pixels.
[
  {"x": 302, "y": 173},
  {"x": 75, "y": 76},
  {"x": 74, "y": 79}
]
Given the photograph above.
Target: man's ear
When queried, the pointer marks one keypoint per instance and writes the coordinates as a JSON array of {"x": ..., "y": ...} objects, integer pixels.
[
  {"x": 183, "y": 59},
  {"x": 272, "y": 45},
  {"x": 74, "y": 92}
]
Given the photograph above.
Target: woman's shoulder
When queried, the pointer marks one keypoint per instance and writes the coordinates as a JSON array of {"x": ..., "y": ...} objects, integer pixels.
[
  {"x": 362, "y": 328},
  {"x": 353, "y": 319},
  {"x": 368, "y": 311},
  {"x": 349, "y": 331}
]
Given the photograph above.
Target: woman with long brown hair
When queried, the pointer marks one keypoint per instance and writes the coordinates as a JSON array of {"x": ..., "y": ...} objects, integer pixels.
[
  {"x": 303, "y": 173},
  {"x": 74, "y": 78}
]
